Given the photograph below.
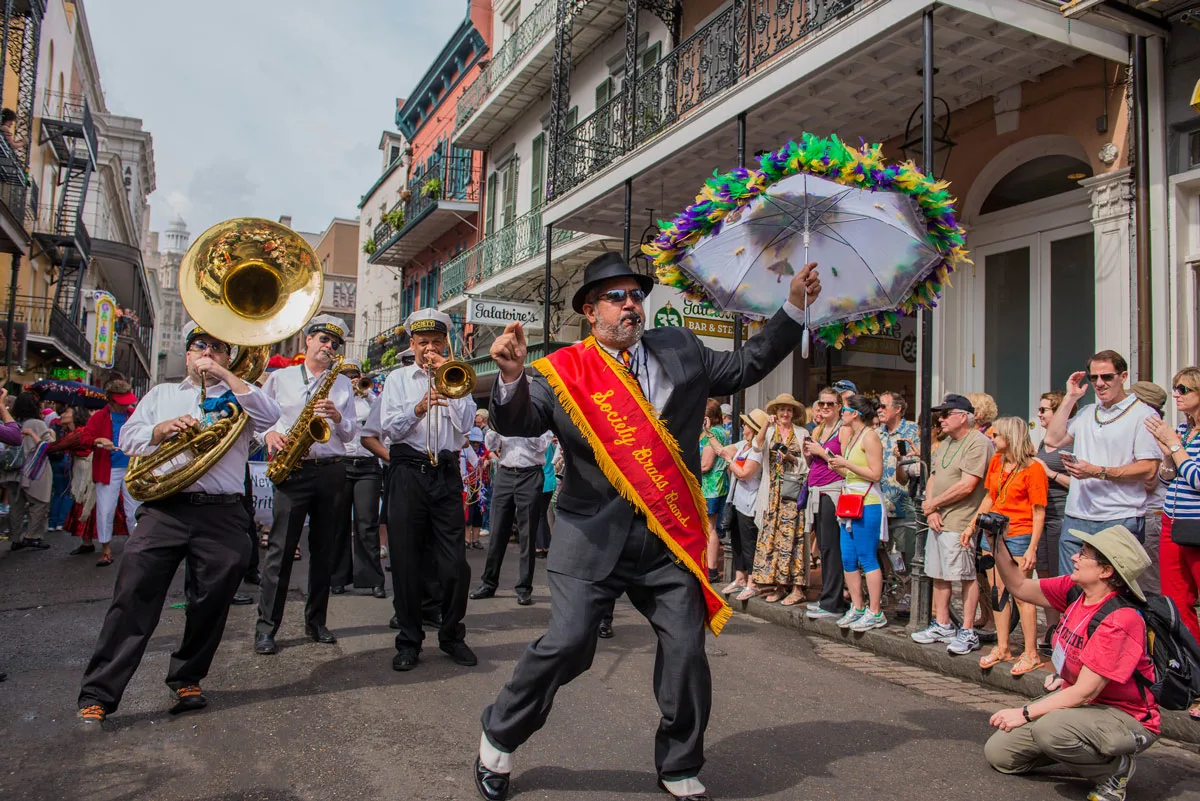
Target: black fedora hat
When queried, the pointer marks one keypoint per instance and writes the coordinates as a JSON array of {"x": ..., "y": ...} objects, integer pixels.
[{"x": 604, "y": 268}]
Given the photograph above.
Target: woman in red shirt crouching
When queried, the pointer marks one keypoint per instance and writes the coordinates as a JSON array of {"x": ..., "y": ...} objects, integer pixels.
[{"x": 1096, "y": 718}]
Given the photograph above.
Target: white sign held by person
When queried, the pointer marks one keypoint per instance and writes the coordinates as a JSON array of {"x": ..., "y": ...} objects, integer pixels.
[
  {"x": 264, "y": 493},
  {"x": 502, "y": 312}
]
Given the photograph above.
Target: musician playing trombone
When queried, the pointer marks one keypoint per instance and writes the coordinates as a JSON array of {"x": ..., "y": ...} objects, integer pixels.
[
  {"x": 204, "y": 524},
  {"x": 426, "y": 430}
]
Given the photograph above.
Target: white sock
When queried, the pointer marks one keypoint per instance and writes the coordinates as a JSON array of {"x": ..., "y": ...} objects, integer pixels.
[
  {"x": 493, "y": 758},
  {"x": 684, "y": 787}
]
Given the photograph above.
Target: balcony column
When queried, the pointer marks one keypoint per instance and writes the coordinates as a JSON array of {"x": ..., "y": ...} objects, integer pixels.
[
  {"x": 628, "y": 219},
  {"x": 12, "y": 312},
  {"x": 560, "y": 95},
  {"x": 546, "y": 290},
  {"x": 631, "y": 62},
  {"x": 739, "y": 397}
]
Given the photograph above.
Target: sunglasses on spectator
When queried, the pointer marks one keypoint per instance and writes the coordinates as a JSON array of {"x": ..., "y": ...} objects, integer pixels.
[
  {"x": 333, "y": 344},
  {"x": 825, "y": 404},
  {"x": 201, "y": 345},
  {"x": 946, "y": 414},
  {"x": 1107, "y": 378},
  {"x": 848, "y": 409},
  {"x": 1045, "y": 410},
  {"x": 619, "y": 295},
  {"x": 1182, "y": 389}
]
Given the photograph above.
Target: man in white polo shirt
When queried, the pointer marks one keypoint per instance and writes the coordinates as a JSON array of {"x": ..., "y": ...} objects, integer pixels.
[{"x": 1114, "y": 454}]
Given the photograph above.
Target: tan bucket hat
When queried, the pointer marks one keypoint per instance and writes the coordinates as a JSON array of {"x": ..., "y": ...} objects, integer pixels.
[
  {"x": 1122, "y": 549},
  {"x": 756, "y": 419},
  {"x": 784, "y": 399}
]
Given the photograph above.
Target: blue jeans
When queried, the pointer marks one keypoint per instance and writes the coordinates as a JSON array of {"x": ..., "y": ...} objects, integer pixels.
[
  {"x": 60, "y": 498},
  {"x": 1069, "y": 545}
]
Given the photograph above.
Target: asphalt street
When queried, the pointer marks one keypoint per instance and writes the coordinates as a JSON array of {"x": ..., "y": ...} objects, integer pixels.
[{"x": 319, "y": 722}]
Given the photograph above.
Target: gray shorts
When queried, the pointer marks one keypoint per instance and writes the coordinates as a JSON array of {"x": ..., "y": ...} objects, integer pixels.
[{"x": 946, "y": 559}]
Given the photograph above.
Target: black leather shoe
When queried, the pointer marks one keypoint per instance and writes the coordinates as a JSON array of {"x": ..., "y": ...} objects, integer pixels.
[
  {"x": 394, "y": 623},
  {"x": 252, "y": 577},
  {"x": 264, "y": 644},
  {"x": 241, "y": 599},
  {"x": 337, "y": 589},
  {"x": 82, "y": 549},
  {"x": 525, "y": 598},
  {"x": 491, "y": 785},
  {"x": 461, "y": 653},
  {"x": 379, "y": 592},
  {"x": 405, "y": 660},
  {"x": 606, "y": 631},
  {"x": 481, "y": 593},
  {"x": 433, "y": 620},
  {"x": 697, "y": 797},
  {"x": 321, "y": 634}
]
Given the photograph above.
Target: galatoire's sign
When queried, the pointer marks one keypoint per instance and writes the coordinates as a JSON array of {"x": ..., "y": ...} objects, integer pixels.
[{"x": 483, "y": 311}]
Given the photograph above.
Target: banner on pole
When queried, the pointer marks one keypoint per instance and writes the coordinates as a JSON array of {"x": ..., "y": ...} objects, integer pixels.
[{"x": 104, "y": 338}]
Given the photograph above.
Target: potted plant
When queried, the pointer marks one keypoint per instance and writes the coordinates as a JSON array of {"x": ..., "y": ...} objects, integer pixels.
[
  {"x": 388, "y": 359},
  {"x": 405, "y": 195},
  {"x": 432, "y": 188},
  {"x": 395, "y": 218},
  {"x": 366, "y": 365},
  {"x": 368, "y": 247}
]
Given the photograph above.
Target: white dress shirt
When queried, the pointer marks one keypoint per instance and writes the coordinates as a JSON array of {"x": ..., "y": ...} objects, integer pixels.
[
  {"x": 403, "y": 390},
  {"x": 519, "y": 452},
  {"x": 168, "y": 401},
  {"x": 291, "y": 391},
  {"x": 373, "y": 427},
  {"x": 362, "y": 413}
]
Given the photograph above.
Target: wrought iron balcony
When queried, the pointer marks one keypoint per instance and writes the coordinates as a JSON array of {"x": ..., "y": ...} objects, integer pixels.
[
  {"x": 523, "y": 239},
  {"x": 43, "y": 318},
  {"x": 485, "y": 365},
  {"x": 731, "y": 47},
  {"x": 14, "y": 182},
  {"x": 531, "y": 31},
  {"x": 63, "y": 236},
  {"x": 68, "y": 126},
  {"x": 452, "y": 184}
]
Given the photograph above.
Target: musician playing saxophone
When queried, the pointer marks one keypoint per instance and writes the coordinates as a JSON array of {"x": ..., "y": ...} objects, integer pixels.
[
  {"x": 314, "y": 490},
  {"x": 204, "y": 524}
]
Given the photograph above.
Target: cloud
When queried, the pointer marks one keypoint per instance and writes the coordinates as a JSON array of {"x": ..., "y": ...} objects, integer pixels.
[{"x": 265, "y": 107}]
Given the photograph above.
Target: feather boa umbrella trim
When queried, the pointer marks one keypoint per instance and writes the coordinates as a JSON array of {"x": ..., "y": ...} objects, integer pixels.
[{"x": 829, "y": 158}]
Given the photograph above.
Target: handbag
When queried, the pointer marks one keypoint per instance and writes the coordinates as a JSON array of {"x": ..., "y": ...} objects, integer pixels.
[
  {"x": 850, "y": 507},
  {"x": 12, "y": 458},
  {"x": 1186, "y": 532},
  {"x": 790, "y": 486}
]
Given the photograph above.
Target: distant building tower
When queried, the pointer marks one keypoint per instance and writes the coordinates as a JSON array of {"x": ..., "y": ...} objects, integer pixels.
[
  {"x": 171, "y": 364},
  {"x": 177, "y": 236}
]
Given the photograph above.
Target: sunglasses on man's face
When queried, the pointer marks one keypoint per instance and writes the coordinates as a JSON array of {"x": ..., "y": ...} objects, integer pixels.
[
  {"x": 950, "y": 413},
  {"x": 330, "y": 341},
  {"x": 201, "y": 345},
  {"x": 1182, "y": 389},
  {"x": 825, "y": 404},
  {"x": 619, "y": 295},
  {"x": 1106, "y": 378}
]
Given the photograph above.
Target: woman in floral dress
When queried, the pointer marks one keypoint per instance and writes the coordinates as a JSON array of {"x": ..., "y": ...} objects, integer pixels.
[{"x": 779, "y": 556}]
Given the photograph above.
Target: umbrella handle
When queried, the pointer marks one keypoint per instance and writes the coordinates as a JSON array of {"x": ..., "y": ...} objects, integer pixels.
[{"x": 805, "y": 337}]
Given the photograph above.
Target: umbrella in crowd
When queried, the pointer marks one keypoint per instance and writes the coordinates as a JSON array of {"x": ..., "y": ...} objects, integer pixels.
[
  {"x": 72, "y": 393},
  {"x": 884, "y": 236}
]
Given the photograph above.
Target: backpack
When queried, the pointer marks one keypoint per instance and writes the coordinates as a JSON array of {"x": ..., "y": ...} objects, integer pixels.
[
  {"x": 1172, "y": 648},
  {"x": 12, "y": 458}
]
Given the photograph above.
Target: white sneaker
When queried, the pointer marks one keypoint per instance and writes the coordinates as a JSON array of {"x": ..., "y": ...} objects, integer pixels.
[
  {"x": 818, "y": 613},
  {"x": 848, "y": 619},
  {"x": 964, "y": 642},
  {"x": 868, "y": 621},
  {"x": 936, "y": 632}
]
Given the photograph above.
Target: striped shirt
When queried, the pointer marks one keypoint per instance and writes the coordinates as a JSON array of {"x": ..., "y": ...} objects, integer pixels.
[{"x": 1183, "y": 492}]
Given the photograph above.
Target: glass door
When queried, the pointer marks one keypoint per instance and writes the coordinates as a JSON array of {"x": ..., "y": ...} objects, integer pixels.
[{"x": 1006, "y": 329}]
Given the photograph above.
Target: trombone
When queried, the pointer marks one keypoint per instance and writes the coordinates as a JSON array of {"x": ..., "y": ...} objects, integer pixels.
[{"x": 452, "y": 379}]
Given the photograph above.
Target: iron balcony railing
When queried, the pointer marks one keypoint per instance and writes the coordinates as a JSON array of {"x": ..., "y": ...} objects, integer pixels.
[
  {"x": 486, "y": 365},
  {"x": 536, "y": 25},
  {"x": 14, "y": 182},
  {"x": 731, "y": 47},
  {"x": 43, "y": 318},
  {"x": 73, "y": 108},
  {"x": 522, "y": 239},
  {"x": 458, "y": 178}
]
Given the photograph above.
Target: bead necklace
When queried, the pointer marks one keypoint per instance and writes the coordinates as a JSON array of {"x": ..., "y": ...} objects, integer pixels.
[{"x": 1111, "y": 420}]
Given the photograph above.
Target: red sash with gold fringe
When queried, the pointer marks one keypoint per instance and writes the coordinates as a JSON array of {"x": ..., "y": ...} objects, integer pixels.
[{"x": 637, "y": 454}]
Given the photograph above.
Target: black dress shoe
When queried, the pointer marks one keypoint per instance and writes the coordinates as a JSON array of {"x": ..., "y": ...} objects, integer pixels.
[
  {"x": 394, "y": 623},
  {"x": 697, "y": 797},
  {"x": 405, "y": 659},
  {"x": 379, "y": 592},
  {"x": 82, "y": 549},
  {"x": 481, "y": 593},
  {"x": 433, "y": 620},
  {"x": 524, "y": 598},
  {"x": 337, "y": 589},
  {"x": 252, "y": 577},
  {"x": 491, "y": 785},
  {"x": 264, "y": 644},
  {"x": 241, "y": 599},
  {"x": 320, "y": 634},
  {"x": 605, "y": 631},
  {"x": 460, "y": 653}
]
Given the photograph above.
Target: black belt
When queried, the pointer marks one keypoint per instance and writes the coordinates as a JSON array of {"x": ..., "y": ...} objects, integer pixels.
[
  {"x": 401, "y": 454},
  {"x": 321, "y": 462},
  {"x": 521, "y": 469},
  {"x": 199, "y": 499},
  {"x": 359, "y": 461}
]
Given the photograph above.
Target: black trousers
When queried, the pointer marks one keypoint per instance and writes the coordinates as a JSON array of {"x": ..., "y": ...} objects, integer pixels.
[
  {"x": 211, "y": 540},
  {"x": 251, "y": 528},
  {"x": 517, "y": 493},
  {"x": 542, "y": 540},
  {"x": 829, "y": 542},
  {"x": 744, "y": 539},
  {"x": 356, "y": 552},
  {"x": 425, "y": 511},
  {"x": 431, "y": 587},
  {"x": 670, "y": 598},
  {"x": 313, "y": 493}
]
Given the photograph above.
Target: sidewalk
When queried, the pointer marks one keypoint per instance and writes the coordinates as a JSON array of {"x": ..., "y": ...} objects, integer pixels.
[{"x": 894, "y": 642}]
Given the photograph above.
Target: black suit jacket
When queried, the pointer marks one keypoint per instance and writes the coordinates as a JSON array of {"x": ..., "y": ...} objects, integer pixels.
[{"x": 592, "y": 520}]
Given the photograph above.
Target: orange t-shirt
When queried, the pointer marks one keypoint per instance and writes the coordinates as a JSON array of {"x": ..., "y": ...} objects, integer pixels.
[{"x": 1015, "y": 493}]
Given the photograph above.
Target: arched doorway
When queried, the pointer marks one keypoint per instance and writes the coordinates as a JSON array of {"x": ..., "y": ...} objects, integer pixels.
[{"x": 1028, "y": 308}]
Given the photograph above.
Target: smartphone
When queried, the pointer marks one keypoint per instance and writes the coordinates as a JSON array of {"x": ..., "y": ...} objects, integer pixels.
[
  {"x": 903, "y": 445},
  {"x": 1069, "y": 458}
]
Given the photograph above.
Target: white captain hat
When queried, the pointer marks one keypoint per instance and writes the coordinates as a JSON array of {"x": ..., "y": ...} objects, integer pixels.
[
  {"x": 334, "y": 326},
  {"x": 426, "y": 321}
]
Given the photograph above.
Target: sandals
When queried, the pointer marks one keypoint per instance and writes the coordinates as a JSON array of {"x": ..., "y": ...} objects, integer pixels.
[
  {"x": 1194, "y": 711},
  {"x": 794, "y": 597},
  {"x": 1029, "y": 661},
  {"x": 775, "y": 597},
  {"x": 105, "y": 560},
  {"x": 748, "y": 593},
  {"x": 994, "y": 657},
  {"x": 732, "y": 587}
]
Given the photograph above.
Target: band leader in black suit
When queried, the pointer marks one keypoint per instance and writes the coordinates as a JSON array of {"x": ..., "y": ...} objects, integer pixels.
[{"x": 602, "y": 547}]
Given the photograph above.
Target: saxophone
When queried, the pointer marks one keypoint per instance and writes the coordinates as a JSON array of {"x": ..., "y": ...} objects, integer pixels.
[{"x": 307, "y": 429}]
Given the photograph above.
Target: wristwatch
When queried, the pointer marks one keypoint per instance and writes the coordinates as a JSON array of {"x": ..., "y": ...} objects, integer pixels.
[
  {"x": 1176, "y": 449},
  {"x": 1025, "y": 712},
  {"x": 1104, "y": 473}
]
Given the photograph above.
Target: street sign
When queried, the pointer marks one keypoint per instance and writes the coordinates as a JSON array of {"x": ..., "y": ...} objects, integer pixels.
[
  {"x": 483, "y": 311},
  {"x": 68, "y": 374}
]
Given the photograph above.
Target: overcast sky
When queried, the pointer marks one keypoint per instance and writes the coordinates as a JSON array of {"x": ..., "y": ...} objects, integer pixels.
[{"x": 264, "y": 107}]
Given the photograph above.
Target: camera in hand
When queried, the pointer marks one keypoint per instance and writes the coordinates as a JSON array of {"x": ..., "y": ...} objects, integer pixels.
[{"x": 995, "y": 524}]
